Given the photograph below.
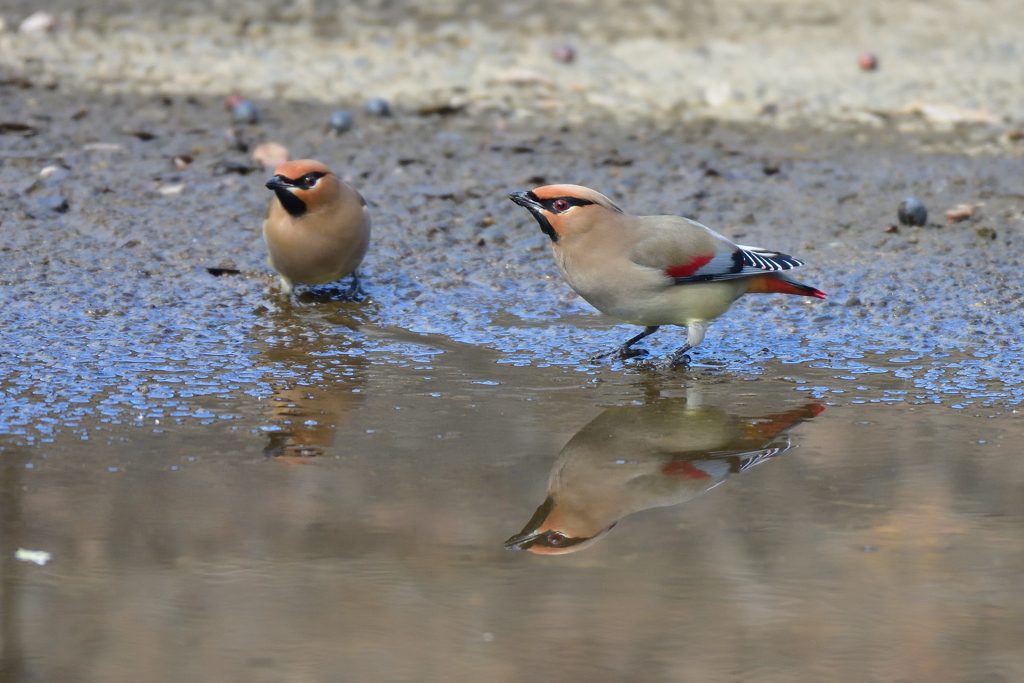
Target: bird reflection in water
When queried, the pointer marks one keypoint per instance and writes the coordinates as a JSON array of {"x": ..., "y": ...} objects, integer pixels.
[
  {"x": 308, "y": 419},
  {"x": 318, "y": 379},
  {"x": 306, "y": 414},
  {"x": 633, "y": 458}
]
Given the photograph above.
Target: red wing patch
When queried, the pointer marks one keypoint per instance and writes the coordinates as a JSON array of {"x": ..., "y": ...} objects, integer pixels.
[
  {"x": 692, "y": 265},
  {"x": 684, "y": 469}
]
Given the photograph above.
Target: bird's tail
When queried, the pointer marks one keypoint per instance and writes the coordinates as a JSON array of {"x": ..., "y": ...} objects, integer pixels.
[
  {"x": 775, "y": 284},
  {"x": 771, "y": 425}
]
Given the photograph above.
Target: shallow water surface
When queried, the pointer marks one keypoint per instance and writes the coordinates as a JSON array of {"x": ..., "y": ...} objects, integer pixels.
[{"x": 356, "y": 530}]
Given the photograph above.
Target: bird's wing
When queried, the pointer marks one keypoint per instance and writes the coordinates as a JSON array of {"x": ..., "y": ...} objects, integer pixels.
[{"x": 688, "y": 252}]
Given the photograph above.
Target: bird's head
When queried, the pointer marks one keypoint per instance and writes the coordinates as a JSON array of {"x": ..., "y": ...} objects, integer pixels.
[
  {"x": 564, "y": 209},
  {"x": 550, "y": 532},
  {"x": 303, "y": 185}
]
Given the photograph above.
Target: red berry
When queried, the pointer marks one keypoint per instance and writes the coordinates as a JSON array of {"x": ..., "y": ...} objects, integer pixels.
[
  {"x": 868, "y": 61},
  {"x": 564, "y": 53}
]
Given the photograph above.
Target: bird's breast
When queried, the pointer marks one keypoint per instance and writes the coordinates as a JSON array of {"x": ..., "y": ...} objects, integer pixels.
[{"x": 314, "y": 249}]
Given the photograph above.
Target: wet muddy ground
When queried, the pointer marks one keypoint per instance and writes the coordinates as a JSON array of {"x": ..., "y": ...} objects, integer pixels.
[{"x": 235, "y": 487}]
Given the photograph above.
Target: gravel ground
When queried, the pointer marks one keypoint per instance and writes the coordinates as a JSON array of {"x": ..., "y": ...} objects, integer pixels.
[
  {"x": 107, "y": 245},
  {"x": 787, "y": 63},
  {"x": 124, "y": 180}
]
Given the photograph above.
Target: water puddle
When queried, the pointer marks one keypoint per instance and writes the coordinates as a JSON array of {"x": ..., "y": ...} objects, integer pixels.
[{"x": 355, "y": 528}]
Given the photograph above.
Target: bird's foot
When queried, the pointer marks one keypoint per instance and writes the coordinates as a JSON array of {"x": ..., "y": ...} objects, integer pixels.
[
  {"x": 355, "y": 291},
  {"x": 679, "y": 358},
  {"x": 620, "y": 353}
]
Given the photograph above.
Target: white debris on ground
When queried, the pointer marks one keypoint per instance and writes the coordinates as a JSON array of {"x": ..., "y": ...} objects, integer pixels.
[{"x": 40, "y": 557}]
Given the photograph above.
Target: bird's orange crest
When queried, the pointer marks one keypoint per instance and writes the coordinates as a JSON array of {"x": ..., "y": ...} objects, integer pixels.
[
  {"x": 576, "y": 192},
  {"x": 300, "y": 167}
]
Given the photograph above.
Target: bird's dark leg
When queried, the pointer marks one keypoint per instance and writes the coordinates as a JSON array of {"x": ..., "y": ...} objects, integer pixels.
[
  {"x": 677, "y": 358},
  {"x": 289, "y": 288},
  {"x": 625, "y": 351},
  {"x": 355, "y": 290}
]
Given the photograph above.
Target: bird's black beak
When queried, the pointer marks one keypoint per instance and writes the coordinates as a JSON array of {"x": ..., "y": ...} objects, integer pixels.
[
  {"x": 527, "y": 200},
  {"x": 531, "y": 202},
  {"x": 525, "y": 538},
  {"x": 521, "y": 541},
  {"x": 279, "y": 182},
  {"x": 285, "y": 191}
]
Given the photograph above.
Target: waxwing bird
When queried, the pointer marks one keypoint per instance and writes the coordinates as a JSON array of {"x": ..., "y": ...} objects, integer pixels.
[
  {"x": 634, "y": 458},
  {"x": 652, "y": 270},
  {"x": 317, "y": 228}
]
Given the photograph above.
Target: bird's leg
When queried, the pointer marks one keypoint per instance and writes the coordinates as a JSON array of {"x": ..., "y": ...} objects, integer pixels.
[
  {"x": 695, "y": 331},
  {"x": 625, "y": 351},
  {"x": 288, "y": 287},
  {"x": 355, "y": 290},
  {"x": 678, "y": 358}
]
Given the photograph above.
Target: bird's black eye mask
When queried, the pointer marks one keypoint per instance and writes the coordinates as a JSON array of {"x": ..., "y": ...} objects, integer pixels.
[
  {"x": 538, "y": 206},
  {"x": 559, "y": 204},
  {"x": 555, "y": 540},
  {"x": 528, "y": 537},
  {"x": 283, "y": 188}
]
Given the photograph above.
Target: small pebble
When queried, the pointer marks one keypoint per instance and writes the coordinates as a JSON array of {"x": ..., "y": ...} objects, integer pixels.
[
  {"x": 339, "y": 122},
  {"x": 270, "y": 154},
  {"x": 232, "y": 101},
  {"x": 893, "y": 228},
  {"x": 377, "y": 106},
  {"x": 36, "y": 23},
  {"x": 912, "y": 212},
  {"x": 985, "y": 232},
  {"x": 245, "y": 112},
  {"x": 58, "y": 204},
  {"x": 960, "y": 212},
  {"x": 182, "y": 161},
  {"x": 236, "y": 140},
  {"x": 868, "y": 61},
  {"x": 564, "y": 53}
]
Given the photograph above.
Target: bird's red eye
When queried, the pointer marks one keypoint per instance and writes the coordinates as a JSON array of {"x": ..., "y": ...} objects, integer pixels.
[
  {"x": 310, "y": 179},
  {"x": 555, "y": 538},
  {"x": 561, "y": 205}
]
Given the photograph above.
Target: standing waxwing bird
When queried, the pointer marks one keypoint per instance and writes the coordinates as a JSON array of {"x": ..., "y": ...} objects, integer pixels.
[
  {"x": 317, "y": 228},
  {"x": 652, "y": 270},
  {"x": 634, "y": 458}
]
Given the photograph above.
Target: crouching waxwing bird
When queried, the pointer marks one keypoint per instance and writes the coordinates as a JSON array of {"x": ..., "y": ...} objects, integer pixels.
[
  {"x": 652, "y": 270},
  {"x": 634, "y": 458},
  {"x": 317, "y": 228}
]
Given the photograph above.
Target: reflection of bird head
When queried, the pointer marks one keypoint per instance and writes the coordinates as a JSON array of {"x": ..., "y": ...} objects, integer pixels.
[
  {"x": 563, "y": 210},
  {"x": 549, "y": 532},
  {"x": 633, "y": 458}
]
